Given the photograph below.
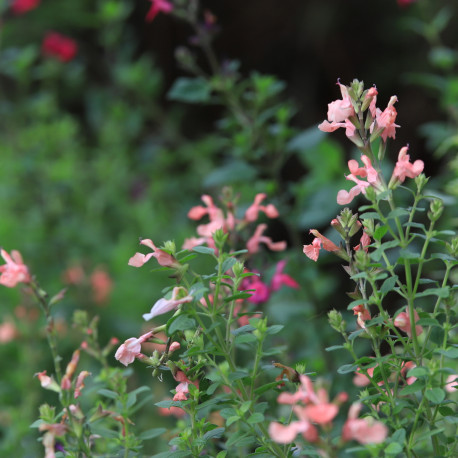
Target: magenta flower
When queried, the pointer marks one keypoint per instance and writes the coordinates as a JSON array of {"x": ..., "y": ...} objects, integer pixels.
[
  {"x": 158, "y": 6},
  {"x": 404, "y": 168},
  {"x": 131, "y": 349},
  {"x": 261, "y": 293},
  {"x": 179, "y": 296},
  {"x": 279, "y": 279},
  {"x": 312, "y": 251},
  {"x": 14, "y": 271},
  {"x": 23, "y": 6},
  {"x": 363, "y": 430},
  {"x": 59, "y": 46}
]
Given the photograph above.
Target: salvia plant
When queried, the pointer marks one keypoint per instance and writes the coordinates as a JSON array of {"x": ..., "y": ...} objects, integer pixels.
[{"x": 208, "y": 332}]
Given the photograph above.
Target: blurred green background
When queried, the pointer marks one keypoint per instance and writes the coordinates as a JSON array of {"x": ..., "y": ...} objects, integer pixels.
[{"x": 120, "y": 141}]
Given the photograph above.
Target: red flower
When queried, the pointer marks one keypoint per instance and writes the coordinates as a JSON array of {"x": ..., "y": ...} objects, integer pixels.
[
  {"x": 59, "y": 46},
  {"x": 23, "y": 6}
]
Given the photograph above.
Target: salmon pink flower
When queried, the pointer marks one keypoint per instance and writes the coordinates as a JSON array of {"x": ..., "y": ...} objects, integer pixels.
[
  {"x": 182, "y": 389},
  {"x": 451, "y": 383},
  {"x": 131, "y": 348},
  {"x": 363, "y": 430},
  {"x": 14, "y": 271},
  {"x": 363, "y": 315},
  {"x": 59, "y": 46},
  {"x": 312, "y": 250},
  {"x": 364, "y": 242},
  {"x": 384, "y": 120},
  {"x": 101, "y": 285},
  {"x": 179, "y": 296},
  {"x": 368, "y": 171},
  {"x": 253, "y": 210},
  {"x": 402, "y": 321},
  {"x": 404, "y": 168},
  {"x": 79, "y": 385},
  {"x": 163, "y": 258},
  {"x": 342, "y": 109},
  {"x": 8, "y": 332},
  {"x": 23, "y": 6},
  {"x": 158, "y": 6},
  {"x": 258, "y": 237}
]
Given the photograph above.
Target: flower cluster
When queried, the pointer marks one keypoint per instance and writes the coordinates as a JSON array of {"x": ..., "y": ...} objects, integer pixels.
[{"x": 314, "y": 409}]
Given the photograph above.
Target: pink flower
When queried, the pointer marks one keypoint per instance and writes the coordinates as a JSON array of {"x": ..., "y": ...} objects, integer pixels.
[
  {"x": 163, "y": 258},
  {"x": 402, "y": 321},
  {"x": 451, "y": 383},
  {"x": 385, "y": 120},
  {"x": 257, "y": 238},
  {"x": 261, "y": 293},
  {"x": 361, "y": 379},
  {"x": 182, "y": 389},
  {"x": 131, "y": 348},
  {"x": 363, "y": 315},
  {"x": 158, "y": 6},
  {"x": 79, "y": 385},
  {"x": 14, "y": 271},
  {"x": 368, "y": 171},
  {"x": 371, "y": 95},
  {"x": 312, "y": 251},
  {"x": 253, "y": 210},
  {"x": 8, "y": 332},
  {"x": 340, "y": 110},
  {"x": 404, "y": 168},
  {"x": 279, "y": 279},
  {"x": 363, "y": 430},
  {"x": 59, "y": 46},
  {"x": 101, "y": 285},
  {"x": 23, "y": 6},
  {"x": 364, "y": 242},
  {"x": 179, "y": 296}
]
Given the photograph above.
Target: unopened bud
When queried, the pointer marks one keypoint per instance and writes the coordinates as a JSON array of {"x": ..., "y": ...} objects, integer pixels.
[
  {"x": 452, "y": 247},
  {"x": 362, "y": 260},
  {"x": 435, "y": 210},
  {"x": 170, "y": 247},
  {"x": 336, "y": 321},
  {"x": 421, "y": 181},
  {"x": 238, "y": 269},
  {"x": 220, "y": 238}
]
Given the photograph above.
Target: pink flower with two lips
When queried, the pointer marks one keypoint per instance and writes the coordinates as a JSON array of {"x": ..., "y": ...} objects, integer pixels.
[
  {"x": 363, "y": 430},
  {"x": 163, "y": 305},
  {"x": 312, "y": 250},
  {"x": 345, "y": 197},
  {"x": 163, "y": 258},
  {"x": 253, "y": 210},
  {"x": 182, "y": 389},
  {"x": 131, "y": 349},
  {"x": 258, "y": 237},
  {"x": 14, "y": 271},
  {"x": 402, "y": 321},
  {"x": 404, "y": 168},
  {"x": 280, "y": 278},
  {"x": 384, "y": 120}
]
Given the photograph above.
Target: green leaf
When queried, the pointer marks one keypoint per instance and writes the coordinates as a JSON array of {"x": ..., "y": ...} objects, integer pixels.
[
  {"x": 440, "y": 292},
  {"x": 240, "y": 440},
  {"x": 245, "y": 338},
  {"x": 388, "y": 284},
  {"x": 451, "y": 352},
  {"x": 256, "y": 418},
  {"x": 204, "y": 250},
  {"x": 151, "y": 433},
  {"x": 232, "y": 419},
  {"x": 427, "y": 322},
  {"x": 167, "y": 404},
  {"x": 180, "y": 323},
  {"x": 237, "y": 375},
  {"x": 380, "y": 232},
  {"x": 334, "y": 347},
  {"x": 274, "y": 329},
  {"x": 418, "y": 372},
  {"x": 214, "y": 434},
  {"x": 262, "y": 389},
  {"x": 416, "y": 386},
  {"x": 108, "y": 393},
  {"x": 393, "y": 449},
  {"x": 435, "y": 395},
  {"x": 191, "y": 90},
  {"x": 370, "y": 215},
  {"x": 243, "y": 330},
  {"x": 397, "y": 212},
  {"x": 227, "y": 264},
  {"x": 347, "y": 368},
  {"x": 228, "y": 412}
]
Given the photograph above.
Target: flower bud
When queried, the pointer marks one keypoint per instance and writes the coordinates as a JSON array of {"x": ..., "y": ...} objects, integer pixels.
[
  {"x": 421, "y": 181},
  {"x": 220, "y": 238},
  {"x": 47, "y": 413},
  {"x": 452, "y": 247},
  {"x": 362, "y": 260},
  {"x": 170, "y": 247},
  {"x": 435, "y": 210},
  {"x": 238, "y": 269},
  {"x": 336, "y": 321}
]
